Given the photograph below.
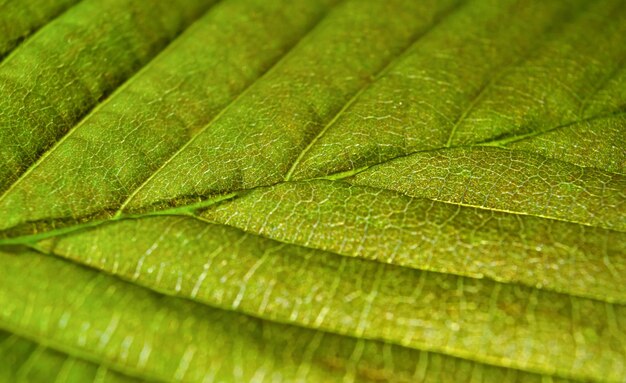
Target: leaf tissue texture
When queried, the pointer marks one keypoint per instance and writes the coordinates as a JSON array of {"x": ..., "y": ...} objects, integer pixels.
[
  {"x": 19, "y": 19},
  {"x": 313, "y": 191}
]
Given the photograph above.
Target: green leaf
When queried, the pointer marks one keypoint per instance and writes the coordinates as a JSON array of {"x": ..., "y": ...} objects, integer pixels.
[
  {"x": 320, "y": 190},
  {"x": 18, "y": 20},
  {"x": 52, "y": 80},
  {"x": 25, "y": 360}
]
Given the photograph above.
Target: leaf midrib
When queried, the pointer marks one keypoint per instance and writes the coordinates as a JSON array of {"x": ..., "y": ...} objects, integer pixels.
[
  {"x": 502, "y": 142},
  {"x": 190, "y": 210}
]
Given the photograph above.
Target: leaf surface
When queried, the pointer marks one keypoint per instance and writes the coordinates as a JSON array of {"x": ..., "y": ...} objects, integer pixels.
[
  {"x": 18, "y": 20},
  {"x": 52, "y": 80},
  {"x": 321, "y": 190}
]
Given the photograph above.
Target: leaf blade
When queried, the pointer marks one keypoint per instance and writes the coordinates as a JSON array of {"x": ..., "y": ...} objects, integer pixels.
[{"x": 402, "y": 191}]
